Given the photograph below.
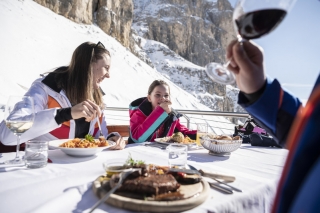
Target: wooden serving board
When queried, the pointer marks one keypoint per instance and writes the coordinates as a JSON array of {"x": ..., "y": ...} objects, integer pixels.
[{"x": 194, "y": 195}]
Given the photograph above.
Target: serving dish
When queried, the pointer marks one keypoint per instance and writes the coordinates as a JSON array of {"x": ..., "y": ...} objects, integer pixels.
[
  {"x": 219, "y": 147},
  {"x": 78, "y": 152},
  {"x": 194, "y": 194}
]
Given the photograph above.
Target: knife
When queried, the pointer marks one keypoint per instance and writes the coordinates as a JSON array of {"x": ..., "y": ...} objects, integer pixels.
[
  {"x": 220, "y": 188},
  {"x": 214, "y": 175},
  {"x": 215, "y": 178}
]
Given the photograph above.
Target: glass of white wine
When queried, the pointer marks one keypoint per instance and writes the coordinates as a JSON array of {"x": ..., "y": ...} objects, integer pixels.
[{"x": 19, "y": 117}]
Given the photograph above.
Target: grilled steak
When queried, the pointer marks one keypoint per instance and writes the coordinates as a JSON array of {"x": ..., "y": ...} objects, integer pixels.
[{"x": 152, "y": 184}]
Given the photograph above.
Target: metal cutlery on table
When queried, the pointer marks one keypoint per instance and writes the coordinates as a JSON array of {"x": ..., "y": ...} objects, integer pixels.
[
  {"x": 101, "y": 135},
  {"x": 216, "y": 176},
  {"x": 123, "y": 175},
  {"x": 157, "y": 145},
  {"x": 221, "y": 188}
]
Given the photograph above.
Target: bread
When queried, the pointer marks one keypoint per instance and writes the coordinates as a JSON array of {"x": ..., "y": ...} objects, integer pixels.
[{"x": 177, "y": 137}]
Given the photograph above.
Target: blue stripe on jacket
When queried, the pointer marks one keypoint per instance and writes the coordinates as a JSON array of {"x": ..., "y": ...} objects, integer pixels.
[{"x": 151, "y": 129}]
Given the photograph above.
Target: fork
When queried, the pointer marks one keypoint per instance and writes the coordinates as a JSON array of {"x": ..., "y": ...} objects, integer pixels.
[
  {"x": 123, "y": 175},
  {"x": 101, "y": 135}
]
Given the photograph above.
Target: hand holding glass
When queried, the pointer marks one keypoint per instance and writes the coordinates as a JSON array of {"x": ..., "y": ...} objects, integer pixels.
[
  {"x": 252, "y": 19},
  {"x": 18, "y": 116}
]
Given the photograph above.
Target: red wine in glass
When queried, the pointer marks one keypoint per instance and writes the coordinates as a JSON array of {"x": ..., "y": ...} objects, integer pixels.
[{"x": 258, "y": 23}]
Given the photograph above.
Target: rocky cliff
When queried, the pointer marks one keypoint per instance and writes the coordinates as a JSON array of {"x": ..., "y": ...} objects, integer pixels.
[
  {"x": 197, "y": 30},
  {"x": 113, "y": 16}
]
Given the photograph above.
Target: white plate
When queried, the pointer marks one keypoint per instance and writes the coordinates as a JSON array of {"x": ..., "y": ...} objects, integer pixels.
[
  {"x": 163, "y": 141},
  {"x": 78, "y": 152}
]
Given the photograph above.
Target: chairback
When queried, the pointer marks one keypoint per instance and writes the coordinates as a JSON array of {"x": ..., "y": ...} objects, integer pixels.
[{"x": 123, "y": 130}]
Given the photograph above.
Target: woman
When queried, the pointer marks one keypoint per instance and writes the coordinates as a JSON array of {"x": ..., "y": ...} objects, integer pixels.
[
  {"x": 152, "y": 116},
  {"x": 68, "y": 101}
]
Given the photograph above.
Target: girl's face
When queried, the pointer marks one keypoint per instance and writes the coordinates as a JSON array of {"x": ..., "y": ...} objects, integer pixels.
[
  {"x": 101, "y": 70},
  {"x": 158, "y": 95}
]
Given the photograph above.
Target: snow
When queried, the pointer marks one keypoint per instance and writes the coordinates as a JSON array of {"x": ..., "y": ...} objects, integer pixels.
[{"x": 35, "y": 40}]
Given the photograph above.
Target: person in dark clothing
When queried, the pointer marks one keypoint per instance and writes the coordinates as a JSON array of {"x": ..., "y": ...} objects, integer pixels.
[{"x": 291, "y": 125}]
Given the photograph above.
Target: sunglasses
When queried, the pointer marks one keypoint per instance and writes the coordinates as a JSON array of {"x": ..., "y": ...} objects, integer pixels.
[{"x": 99, "y": 44}]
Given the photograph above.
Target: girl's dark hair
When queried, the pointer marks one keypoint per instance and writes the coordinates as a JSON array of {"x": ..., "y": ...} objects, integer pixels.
[
  {"x": 77, "y": 78},
  {"x": 157, "y": 83}
]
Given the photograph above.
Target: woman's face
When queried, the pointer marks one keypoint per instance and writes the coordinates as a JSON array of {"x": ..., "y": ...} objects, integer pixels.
[
  {"x": 159, "y": 94},
  {"x": 101, "y": 70}
]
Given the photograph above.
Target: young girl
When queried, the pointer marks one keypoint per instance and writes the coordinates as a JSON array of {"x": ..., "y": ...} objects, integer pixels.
[{"x": 152, "y": 116}]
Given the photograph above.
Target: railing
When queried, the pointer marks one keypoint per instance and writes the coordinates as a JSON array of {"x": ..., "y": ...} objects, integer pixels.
[{"x": 194, "y": 112}]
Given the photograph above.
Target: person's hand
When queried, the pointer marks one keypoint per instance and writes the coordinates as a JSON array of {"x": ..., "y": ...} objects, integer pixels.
[
  {"x": 86, "y": 109},
  {"x": 120, "y": 143},
  {"x": 166, "y": 106},
  {"x": 247, "y": 65}
]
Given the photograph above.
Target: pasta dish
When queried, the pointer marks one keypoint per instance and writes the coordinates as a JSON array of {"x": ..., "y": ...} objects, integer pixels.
[{"x": 84, "y": 143}]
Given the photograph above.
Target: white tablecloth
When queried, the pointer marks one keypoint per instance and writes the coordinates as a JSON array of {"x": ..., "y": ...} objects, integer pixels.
[{"x": 65, "y": 185}]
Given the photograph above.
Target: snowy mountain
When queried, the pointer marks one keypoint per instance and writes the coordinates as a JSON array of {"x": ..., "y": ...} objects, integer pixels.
[{"x": 35, "y": 40}]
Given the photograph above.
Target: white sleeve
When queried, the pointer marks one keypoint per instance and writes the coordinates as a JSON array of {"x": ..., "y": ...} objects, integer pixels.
[{"x": 44, "y": 121}]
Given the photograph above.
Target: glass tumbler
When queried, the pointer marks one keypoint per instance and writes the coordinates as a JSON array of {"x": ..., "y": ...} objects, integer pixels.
[
  {"x": 36, "y": 154},
  {"x": 177, "y": 155}
]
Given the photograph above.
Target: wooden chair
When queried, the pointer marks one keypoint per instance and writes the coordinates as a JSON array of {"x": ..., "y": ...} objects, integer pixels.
[{"x": 124, "y": 130}]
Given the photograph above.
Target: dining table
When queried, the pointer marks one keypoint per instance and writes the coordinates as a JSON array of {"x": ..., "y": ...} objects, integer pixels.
[{"x": 66, "y": 183}]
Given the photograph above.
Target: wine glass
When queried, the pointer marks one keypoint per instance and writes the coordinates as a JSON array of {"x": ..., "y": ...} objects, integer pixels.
[
  {"x": 252, "y": 19},
  {"x": 18, "y": 116}
]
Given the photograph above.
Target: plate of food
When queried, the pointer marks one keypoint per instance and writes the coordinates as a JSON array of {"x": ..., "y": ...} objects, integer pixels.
[
  {"x": 81, "y": 147},
  {"x": 177, "y": 137},
  {"x": 154, "y": 189}
]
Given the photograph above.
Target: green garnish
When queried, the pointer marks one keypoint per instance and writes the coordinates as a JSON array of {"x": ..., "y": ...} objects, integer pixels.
[
  {"x": 89, "y": 137},
  {"x": 132, "y": 162}
]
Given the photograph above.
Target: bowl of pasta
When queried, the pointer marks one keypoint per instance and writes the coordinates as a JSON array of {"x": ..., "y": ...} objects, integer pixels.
[{"x": 81, "y": 147}]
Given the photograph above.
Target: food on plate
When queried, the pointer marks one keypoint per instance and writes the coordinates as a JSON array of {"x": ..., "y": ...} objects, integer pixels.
[
  {"x": 236, "y": 137},
  {"x": 177, "y": 137},
  {"x": 183, "y": 177},
  {"x": 222, "y": 137},
  {"x": 130, "y": 161},
  {"x": 84, "y": 143},
  {"x": 154, "y": 182},
  {"x": 164, "y": 139}
]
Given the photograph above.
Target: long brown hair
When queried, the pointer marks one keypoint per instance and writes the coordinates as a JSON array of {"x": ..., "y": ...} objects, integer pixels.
[
  {"x": 77, "y": 78},
  {"x": 156, "y": 83}
]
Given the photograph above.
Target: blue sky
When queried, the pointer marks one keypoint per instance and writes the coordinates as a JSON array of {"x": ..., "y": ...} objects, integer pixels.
[{"x": 291, "y": 51}]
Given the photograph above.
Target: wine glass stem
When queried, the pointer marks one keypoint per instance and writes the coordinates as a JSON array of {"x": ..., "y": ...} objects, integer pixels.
[
  {"x": 227, "y": 63},
  {"x": 18, "y": 147},
  {"x": 240, "y": 40}
]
